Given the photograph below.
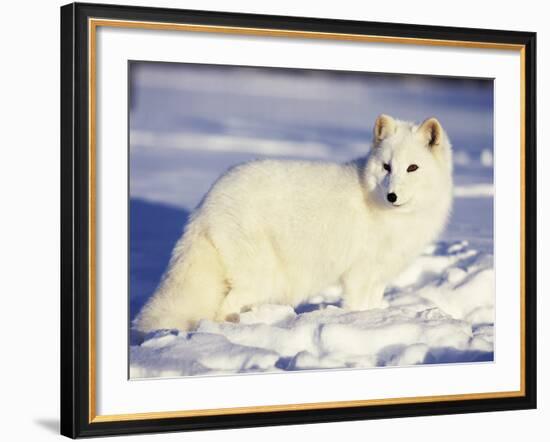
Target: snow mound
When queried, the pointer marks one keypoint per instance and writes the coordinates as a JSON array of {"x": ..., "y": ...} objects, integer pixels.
[{"x": 440, "y": 310}]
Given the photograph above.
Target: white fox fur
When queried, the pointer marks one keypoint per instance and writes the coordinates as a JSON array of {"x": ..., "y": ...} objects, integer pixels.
[{"x": 281, "y": 231}]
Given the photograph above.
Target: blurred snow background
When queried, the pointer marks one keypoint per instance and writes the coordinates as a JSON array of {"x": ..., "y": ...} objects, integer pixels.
[{"x": 189, "y": 123}]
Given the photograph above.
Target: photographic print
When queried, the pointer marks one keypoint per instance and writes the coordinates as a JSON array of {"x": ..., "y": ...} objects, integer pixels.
[
  {"x": 313, "y": 220},
  {"x": 296, "y": 219}
]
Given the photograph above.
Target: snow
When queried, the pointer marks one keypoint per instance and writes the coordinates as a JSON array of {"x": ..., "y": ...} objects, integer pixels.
[
  {"x": 190, "y": 123},
  {"x": 474, "y": 190},
  {"x": 486, "y": 158},
  {"x": 440, "y": 310}
]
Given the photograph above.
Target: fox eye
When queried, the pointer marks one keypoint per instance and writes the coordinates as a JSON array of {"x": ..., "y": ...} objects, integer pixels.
[
  {"x": 412, "y": 168},
  {"x": 387, "y": 167}
]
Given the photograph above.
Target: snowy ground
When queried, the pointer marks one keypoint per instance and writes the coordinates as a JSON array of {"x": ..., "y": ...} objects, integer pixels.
[
  {"x": 189, "y": 124},
  {"x": 440, "y": 310}
]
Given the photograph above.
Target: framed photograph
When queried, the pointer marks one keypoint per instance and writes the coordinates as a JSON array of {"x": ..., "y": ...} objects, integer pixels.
[{"x": 274, "y": 220}]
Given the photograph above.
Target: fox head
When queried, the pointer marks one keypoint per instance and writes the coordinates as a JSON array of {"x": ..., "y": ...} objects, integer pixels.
[{"x": 410, "y": 166}]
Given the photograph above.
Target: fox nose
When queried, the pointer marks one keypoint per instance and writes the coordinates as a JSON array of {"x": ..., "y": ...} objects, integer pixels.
[{"x": 392, "y": 197}]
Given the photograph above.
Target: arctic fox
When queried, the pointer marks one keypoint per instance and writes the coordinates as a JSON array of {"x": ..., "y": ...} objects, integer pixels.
[{"x": 281, "y": 231}]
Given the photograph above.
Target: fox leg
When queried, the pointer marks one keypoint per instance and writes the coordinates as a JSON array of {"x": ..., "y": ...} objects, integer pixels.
[
  {"x": 235, "y": 302},
  {"x": 363, "y": 295}
]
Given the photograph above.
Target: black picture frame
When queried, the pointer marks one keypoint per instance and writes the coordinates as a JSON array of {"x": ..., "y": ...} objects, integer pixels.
[{"x": 76, "y": 402}]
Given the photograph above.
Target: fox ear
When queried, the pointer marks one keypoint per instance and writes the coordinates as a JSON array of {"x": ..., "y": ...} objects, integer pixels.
[
  {"x": 383, "y": 128},
  {"x": 431, "y": 131}
]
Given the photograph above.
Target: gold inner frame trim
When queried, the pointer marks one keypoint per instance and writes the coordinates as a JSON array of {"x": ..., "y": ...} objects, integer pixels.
[{"x": 93, "y": 24}]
